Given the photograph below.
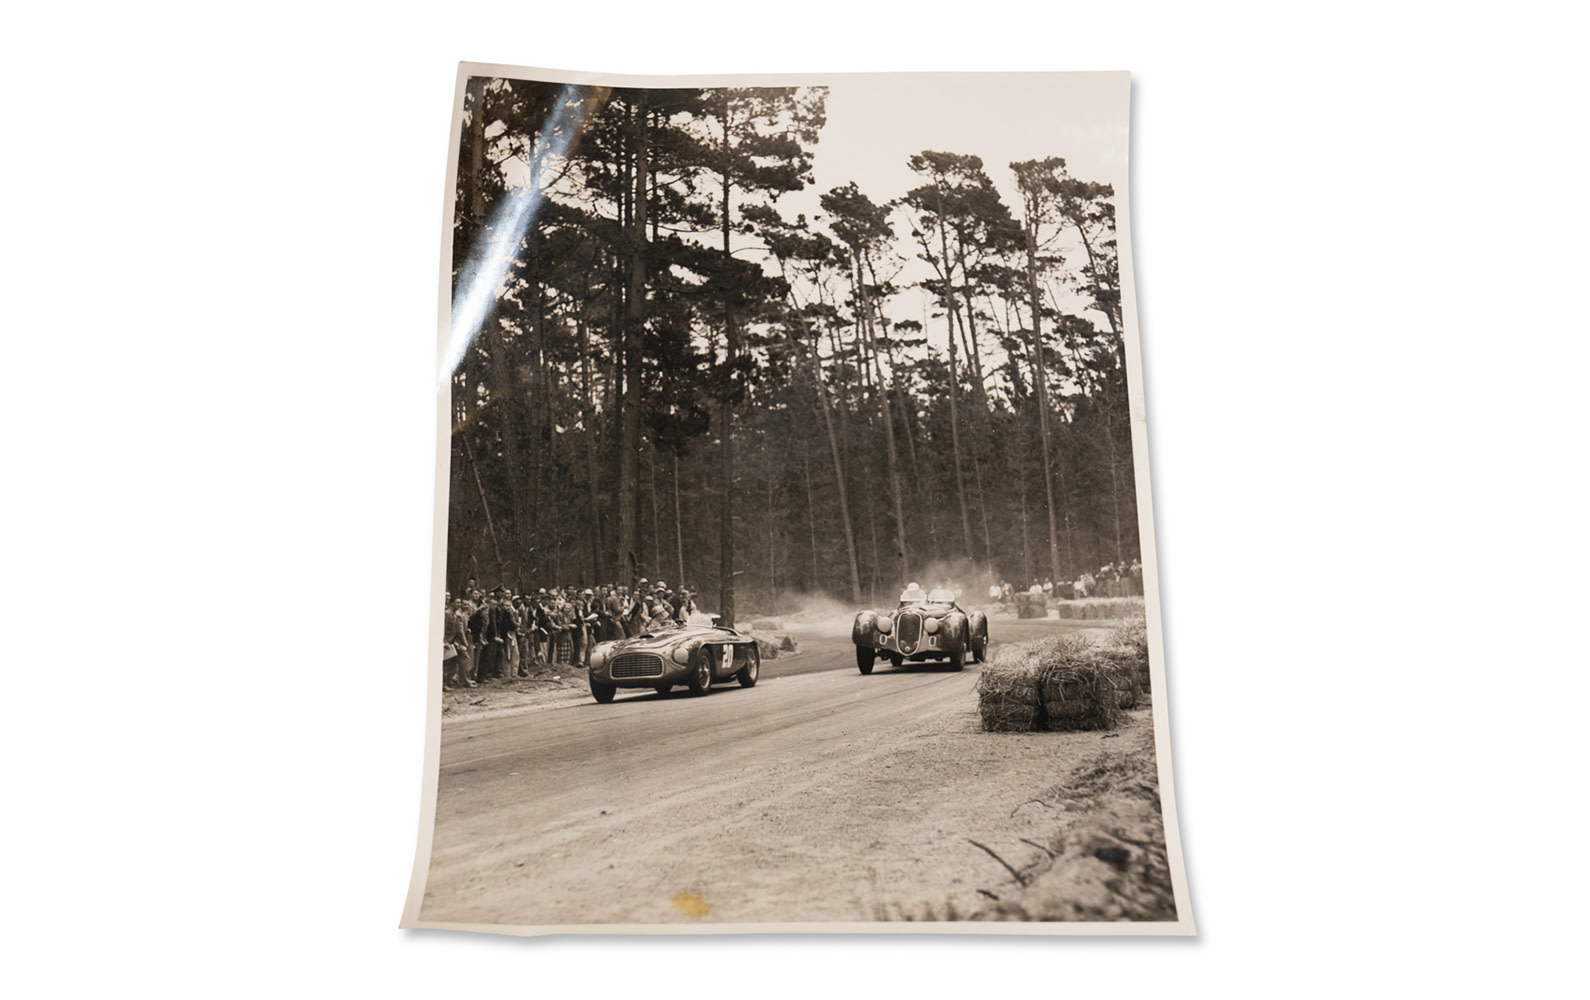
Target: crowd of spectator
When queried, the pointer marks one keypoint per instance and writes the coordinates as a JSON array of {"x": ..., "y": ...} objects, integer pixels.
[
  {"x": 1112, "y": 580},
  {"x": 503, "y": 635}
]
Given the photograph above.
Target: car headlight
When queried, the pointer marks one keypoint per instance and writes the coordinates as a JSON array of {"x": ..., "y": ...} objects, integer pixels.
[
  {"x": 885, "y": 623},
  {"x": 598, "y": 656},
  {"x": 681, "y": 654},
  {"x": 930, "y": 626}
]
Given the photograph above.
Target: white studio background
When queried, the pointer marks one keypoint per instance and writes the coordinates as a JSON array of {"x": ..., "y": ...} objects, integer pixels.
[{"x": 1359, "y": 237}]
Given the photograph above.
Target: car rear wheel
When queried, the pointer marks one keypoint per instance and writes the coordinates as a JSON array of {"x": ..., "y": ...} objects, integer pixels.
[
  {"x": 752, "y": 669},
  {"x": 980, "y": 647},
  {"x": 701, "y": 674},
  {"x": 603, "y": 692},
  {"x": 865, "y": 657}
]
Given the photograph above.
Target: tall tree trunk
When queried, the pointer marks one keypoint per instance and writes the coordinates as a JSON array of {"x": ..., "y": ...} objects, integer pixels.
[
  {"x": 679, "y": 531},
  {"x": 811, "y": 351},
  {"x": 811, "y": 524},
  {"x": 588, "y": 417},
  {"x": 952, "y": 316},
  {"x": 634, "y": 343},
  {"x": 864, "y": 318},
  {"x": 485, "y": 506},
  {"x": 656, "y": 530},
  {"x": 972, "y": 349},
  {"x": 772, "y": 548},
  {"x": 1108, "y": 302},
  {"x": 839, "y": 475},
  {"x": 731, "y": 348},
  {"x": 901, "y": 398},
  {"x": 1040, "y": 382}
]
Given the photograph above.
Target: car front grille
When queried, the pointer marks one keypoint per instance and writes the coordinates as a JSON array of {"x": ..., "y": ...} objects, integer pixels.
[
  {"x": 908, "y": 629},
  {"x": 637, "y": 665}
]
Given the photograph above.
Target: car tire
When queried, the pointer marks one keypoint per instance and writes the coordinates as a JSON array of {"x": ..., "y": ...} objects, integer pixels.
[
  {"x": 603, "y": 693},
  {"x": 663, "y": 690},
  {"x": 700, "y": 680},
  {"x": 752, "y": 669},
  {"x": 957, "y": 659},
  {"x": 896, "y": 660},
  {"x": 866, "y": 656},
  {"x": 980, "y": 647}
]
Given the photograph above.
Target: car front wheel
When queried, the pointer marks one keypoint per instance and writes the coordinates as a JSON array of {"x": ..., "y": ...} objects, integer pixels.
[
  {"x": 701, "y": 675},
  {"x": 603, "y": 692},
  {"x": 865, "y": 657},
  {"x": 957, "y": 659}
]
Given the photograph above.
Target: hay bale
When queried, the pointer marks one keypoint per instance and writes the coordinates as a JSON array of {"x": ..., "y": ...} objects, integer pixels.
[
  {"x": 1128, "y": 648},
  {"x": 766, "y": 625},
  {"x": 787, "y": 644},
  {"x": 1080, "y": 698},
  {"x": 1063, "y": 683},
  {"x": 1079, "y": 686},
  {"x": 1128, "y": 690},
  {"x": 1066, "y": 609},
  {"x": 767, "y": 647},
  {"x": 1007, "y": 694},
  {"x": 1030, "y": 605}
]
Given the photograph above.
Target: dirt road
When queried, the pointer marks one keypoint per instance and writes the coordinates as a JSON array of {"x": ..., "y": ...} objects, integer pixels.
[{"x": 819, "y": 795}]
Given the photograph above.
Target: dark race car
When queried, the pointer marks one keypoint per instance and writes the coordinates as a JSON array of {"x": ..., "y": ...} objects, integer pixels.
[
  {"x": 924, "y": 627},
  {"x": 696, "y": 656}
]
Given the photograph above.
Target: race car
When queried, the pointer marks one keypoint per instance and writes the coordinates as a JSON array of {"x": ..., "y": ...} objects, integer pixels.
[{"x": 925, "y": 626}]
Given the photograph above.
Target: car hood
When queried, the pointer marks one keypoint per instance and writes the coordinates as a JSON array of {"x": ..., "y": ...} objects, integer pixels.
[{"x": 652, "y": 642}]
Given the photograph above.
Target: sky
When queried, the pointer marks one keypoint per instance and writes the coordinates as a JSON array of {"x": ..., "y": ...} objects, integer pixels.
[{"x": 877, "y": 121}]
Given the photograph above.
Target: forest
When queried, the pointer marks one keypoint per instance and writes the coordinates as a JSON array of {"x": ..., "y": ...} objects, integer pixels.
[{"x": 658, "y": 370}]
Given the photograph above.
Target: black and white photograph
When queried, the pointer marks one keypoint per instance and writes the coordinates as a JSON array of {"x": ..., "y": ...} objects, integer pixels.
[
  {"x": 796, "y": 568},
  {"x": 539, "y": 500}
]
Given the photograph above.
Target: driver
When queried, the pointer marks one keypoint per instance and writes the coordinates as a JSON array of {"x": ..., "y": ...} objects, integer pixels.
[{"x": 913, "y": 594}]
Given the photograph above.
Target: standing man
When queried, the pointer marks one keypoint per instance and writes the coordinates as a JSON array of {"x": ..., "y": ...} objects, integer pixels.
[
  {"x": 635, "y": 616},
  {"x": 474, "y": 634},
  {"x": 455, "y": 633},
  {"x": 497, "y": 629}
]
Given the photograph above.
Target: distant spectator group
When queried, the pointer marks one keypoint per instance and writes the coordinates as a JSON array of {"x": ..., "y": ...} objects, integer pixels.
[
  {"x": 502, "y": 635},
  {"x": 1121, "y": 579}
]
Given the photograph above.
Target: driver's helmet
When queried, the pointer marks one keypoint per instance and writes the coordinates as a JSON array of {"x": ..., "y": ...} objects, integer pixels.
[{"x": 912, "y": 593}]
